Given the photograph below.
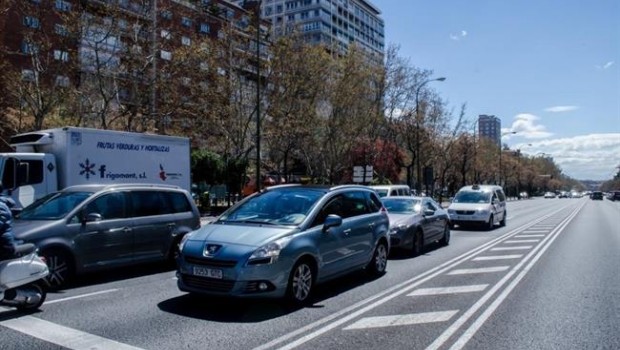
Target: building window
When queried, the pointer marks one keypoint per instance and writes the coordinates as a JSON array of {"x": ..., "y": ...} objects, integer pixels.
[
  {"x": 186, "y": 41},
  {"x": 60, "y": 55},
  {"x": 166, "y": 34},
  {"x": 28, "y": 75},
  {"x": 31, "y": 22},
  {"x": 62, "y": 5},
  {"x": 166, "y": 55},
  {"x": 166, "y": 14},
  {"x": 61, "y": 30},
  {"x": 204, "y": 28},
  {"x": 62, "y": 81},
  {"x": 29, "y": 48},
  {"x": 186, "y": 22}
]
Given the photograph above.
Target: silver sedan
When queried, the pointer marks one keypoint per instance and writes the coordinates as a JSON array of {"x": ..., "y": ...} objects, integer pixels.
[{"x": 416, "y": 222}]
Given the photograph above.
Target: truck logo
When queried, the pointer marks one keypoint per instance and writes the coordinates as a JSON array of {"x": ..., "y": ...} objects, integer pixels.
[{"x": 87, "y": 169}]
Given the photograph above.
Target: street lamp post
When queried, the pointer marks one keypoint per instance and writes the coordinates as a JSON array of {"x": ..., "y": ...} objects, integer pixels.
[
  {"x": 500, "y": 154},
  {"x": 418, "y": 186},
  {"x": 257, "y": 10}
]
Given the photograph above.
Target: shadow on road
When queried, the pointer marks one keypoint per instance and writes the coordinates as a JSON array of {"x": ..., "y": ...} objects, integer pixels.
[{"x": 222, "y": 309}]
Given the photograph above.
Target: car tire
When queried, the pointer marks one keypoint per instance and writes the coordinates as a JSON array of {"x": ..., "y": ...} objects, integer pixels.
[
  {"x": 503, "y": 222},
  {"x": 490, "y": 224},
  {"x": 418, "y": 243},
  {"x": 61, "y": 267},
  {"x": 378, "y": 263},
  {"x": 445, "y": 240},
  {"x": 300, "y": 283}
]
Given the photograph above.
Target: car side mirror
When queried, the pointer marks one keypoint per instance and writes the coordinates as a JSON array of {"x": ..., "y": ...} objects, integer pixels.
[
  {"x": 429, "y": 212},
  {"x": 90, "y": 217},
  {"x": 331, "y": 221}
]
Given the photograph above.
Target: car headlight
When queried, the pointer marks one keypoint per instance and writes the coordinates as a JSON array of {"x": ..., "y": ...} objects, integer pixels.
[
  {"x": 482, "y": 211},
  {"x": 183, "y": 240},
  {"x": 398, "y": 228},
  {"x": 269, "y": 252}
]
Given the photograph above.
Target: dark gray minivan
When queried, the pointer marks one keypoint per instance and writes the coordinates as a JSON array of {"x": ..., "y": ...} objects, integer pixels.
[{"x": 94, "y": 227}]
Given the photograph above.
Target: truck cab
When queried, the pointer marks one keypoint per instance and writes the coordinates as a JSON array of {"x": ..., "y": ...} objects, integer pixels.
[{"x": 27, "y": 176}]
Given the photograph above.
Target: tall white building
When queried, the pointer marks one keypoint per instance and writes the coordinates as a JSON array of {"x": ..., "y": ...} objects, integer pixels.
[{"x": 337, "y": 24}]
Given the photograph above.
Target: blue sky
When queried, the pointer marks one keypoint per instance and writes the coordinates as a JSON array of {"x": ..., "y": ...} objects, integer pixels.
[{"x": 549, "y": 69}]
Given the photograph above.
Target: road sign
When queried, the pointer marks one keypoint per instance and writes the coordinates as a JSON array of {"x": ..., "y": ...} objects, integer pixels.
[{"x": 361, "y": 175}]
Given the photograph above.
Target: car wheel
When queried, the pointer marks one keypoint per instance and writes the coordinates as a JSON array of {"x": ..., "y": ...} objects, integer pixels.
[
  {"x": 61, "y": 267},
  {"x": 378, "y": 264},
  {"x": 490, "y": 224},
  {"x": 300, "y": 283},
  {"x": 503, "y": 222},
  {"x": 418, "y": 243},
  {"x": 445, "y": 240}
]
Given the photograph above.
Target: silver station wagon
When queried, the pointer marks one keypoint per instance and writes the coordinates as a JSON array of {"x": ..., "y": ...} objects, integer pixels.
[{"x": 283, "y": 241}]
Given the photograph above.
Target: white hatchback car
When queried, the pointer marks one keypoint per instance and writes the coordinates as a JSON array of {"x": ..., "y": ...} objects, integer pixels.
[{"x": 483, "y": 205}]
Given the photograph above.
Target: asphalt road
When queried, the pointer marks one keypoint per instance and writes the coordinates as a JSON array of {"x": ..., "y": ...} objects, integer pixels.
[{"x": 548, "y": 280}]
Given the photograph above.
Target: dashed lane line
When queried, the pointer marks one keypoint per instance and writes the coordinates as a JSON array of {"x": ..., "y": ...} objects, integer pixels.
[
  {"x": 478, "y": 270},
  {"x": 526, "y": 247},
  {"x": 402, "y": 320},
  {"x": 528, "y": 236},
  {"x": 521, "y": 241},
  {"x": 448, "y": 290},
  {"x": 498, "y": 257}
]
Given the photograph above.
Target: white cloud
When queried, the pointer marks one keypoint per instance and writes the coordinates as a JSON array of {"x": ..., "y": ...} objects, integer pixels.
[
  {"x": 457, "y": 37},
  {"x": 584, "y": 157},
  {"x": 559, "y": 109},
  {"x": 606, "y": 65},
  {"x": 526, "y": 125}
]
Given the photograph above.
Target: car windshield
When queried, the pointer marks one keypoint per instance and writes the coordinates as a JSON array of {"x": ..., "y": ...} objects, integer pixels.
[
  {"x": 472, "y": 197},
  {"x": 401, "y": 205},
  {"x": 53, "y": 206},
  {"x": 288, "y": 206}
]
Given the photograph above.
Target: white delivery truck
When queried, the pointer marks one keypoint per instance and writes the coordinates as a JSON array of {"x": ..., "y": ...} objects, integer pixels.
[{"x": 50, "y": 160}]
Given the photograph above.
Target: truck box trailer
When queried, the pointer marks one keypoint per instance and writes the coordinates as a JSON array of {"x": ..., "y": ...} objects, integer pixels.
[{"x": 49, "y": 160}]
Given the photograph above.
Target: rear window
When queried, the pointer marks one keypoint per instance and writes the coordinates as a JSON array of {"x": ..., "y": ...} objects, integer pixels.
[{"x": 179, "y": 202}]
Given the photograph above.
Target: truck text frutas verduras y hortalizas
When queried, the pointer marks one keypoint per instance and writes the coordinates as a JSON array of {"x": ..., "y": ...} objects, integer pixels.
[{"x": 50, "y": 160}]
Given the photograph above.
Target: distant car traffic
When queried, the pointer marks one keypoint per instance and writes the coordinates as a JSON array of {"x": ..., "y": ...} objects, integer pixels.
[
  {"x": 416, "y": 222},
  {"x": 614, "y": 196},
  {"x": 596, "y": 195},
  {"x": 283, "y": 241},
  {"x": 549, "y": 195}
]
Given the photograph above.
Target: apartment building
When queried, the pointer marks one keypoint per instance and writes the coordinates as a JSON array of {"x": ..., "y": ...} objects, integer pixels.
[
  {"x": 336, "y": 24},
  {"x": 490, "y": 126},
  {"x": 117, "y": 48}
]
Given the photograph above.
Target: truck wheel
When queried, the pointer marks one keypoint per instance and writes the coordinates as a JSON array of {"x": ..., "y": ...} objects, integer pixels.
[{"x": 61, "y": 266}]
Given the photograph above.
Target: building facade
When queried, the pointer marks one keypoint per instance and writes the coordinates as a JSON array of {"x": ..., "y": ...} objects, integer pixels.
[
  {"x": 490, "y": 127},
  {"x": 335, "y": 24}
]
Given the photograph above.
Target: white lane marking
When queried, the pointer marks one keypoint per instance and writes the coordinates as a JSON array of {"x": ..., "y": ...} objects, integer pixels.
[
  {"x": 522, "y": 241},
  {"x": 498, "y": 257},
  {"x": 478, "y": 270},
  {"x": 81, "y": 296},
  {"x": 448, "y": 290},
  {"x": 469, "y": 333},
  {"x": 402, "y": 320},
  {"x": 527, "y": 236},
  {"x": 535, "y": 231},
  {"x": 525, "y": 247},
  {"x": 449, "y": 332},
  {"x": 63, "y": 336}
]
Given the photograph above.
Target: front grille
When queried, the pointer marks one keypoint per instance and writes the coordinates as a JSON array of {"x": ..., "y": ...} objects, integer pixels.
[
  {"x": 208, "y": 284},
  {"x": 210, "y": 262},
  {"x": 465, "y": 212}
]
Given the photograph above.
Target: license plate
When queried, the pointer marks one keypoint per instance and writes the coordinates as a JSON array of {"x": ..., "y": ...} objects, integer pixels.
[{"x": 206, "y": 272}]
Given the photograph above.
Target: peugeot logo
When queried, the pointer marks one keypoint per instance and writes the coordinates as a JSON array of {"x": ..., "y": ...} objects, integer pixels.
[{"x": 211, "y": 249}]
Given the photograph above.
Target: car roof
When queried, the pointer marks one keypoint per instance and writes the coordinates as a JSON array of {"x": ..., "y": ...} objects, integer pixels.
[
  {"x": 482, "y": 188},
  {"x": 102, "y": 187}
]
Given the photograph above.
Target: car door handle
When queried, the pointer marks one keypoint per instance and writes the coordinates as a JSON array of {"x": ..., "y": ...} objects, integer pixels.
[{"x": 347, "y": 231}]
